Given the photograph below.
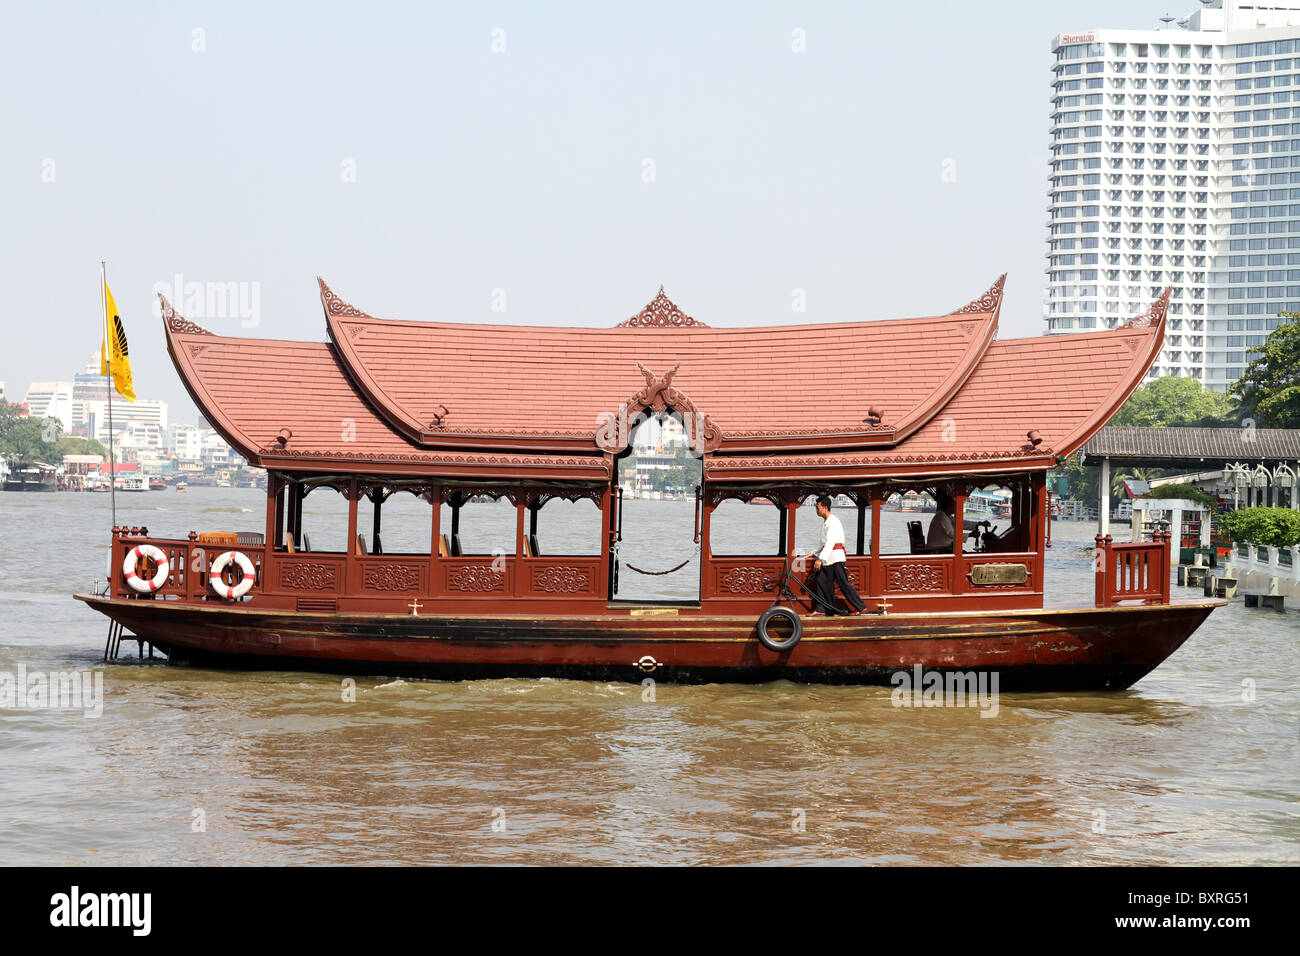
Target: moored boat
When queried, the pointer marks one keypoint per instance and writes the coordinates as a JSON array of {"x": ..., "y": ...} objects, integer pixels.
[
  {"x": 31, "y": 476},
  {"x": 486, "y": 419},
  {"x": 131, "y": 482}
]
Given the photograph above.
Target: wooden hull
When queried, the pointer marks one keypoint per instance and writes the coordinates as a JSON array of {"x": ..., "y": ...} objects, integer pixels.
[{"x": 1074, "y": 649}]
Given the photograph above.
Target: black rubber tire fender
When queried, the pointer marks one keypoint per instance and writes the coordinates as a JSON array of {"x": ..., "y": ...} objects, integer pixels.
[{"x": 771, "y": 643}]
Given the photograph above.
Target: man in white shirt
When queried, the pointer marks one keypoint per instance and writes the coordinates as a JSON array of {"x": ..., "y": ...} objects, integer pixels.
[
  {"x": 940, "y": 533},
  {"x": 828, "y": 562}
]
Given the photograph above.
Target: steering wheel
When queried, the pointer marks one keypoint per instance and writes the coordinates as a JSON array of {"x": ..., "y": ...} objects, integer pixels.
[{"x": 991, "y": 535}]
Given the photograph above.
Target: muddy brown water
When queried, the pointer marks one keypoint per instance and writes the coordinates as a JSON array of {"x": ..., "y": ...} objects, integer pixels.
[{"x": 1196, "y": 764}]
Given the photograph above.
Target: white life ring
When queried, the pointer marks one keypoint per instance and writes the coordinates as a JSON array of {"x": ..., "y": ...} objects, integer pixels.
[
  {"x": 138, "y": 583},
  {"x": 218, "y": 584}
]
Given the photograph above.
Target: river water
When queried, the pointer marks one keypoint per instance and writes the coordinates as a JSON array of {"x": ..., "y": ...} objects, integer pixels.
[{"x": 1196, "y": 764}]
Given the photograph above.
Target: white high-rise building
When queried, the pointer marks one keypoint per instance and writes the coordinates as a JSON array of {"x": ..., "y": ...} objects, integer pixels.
[
  {"x": 50, "y": 400},
  {"x": 1176, "y": 162},
  {"x": 145, "y": 417}
]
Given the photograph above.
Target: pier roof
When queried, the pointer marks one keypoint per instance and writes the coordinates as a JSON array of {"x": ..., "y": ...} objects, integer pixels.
[
  {"x": 1179, "y": 447},
  {"x": 848, "y": 399}
]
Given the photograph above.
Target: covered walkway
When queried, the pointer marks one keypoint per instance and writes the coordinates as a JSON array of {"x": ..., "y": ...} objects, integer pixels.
[{"x": 1255, "y": 466}]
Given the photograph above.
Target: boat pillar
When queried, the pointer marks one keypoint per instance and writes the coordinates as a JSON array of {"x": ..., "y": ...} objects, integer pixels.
[{"x": 1103, "y": 504}]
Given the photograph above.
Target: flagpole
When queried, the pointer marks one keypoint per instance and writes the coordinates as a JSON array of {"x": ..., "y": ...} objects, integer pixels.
[{"x": 108, "y": 364}]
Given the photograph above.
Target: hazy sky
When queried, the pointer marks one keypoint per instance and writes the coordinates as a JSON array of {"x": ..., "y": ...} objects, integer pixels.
[{"x": 391, "y": 149}]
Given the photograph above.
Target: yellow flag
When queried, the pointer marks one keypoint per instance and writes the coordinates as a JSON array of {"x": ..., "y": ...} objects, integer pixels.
[{"x": 115, "y": 341}]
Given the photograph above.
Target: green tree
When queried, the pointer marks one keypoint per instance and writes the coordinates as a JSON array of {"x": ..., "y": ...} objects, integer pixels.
[
  {"x": 1120, "y": 475},
  {"x": 24, "y": 439},
  {"x": 27, "y": 439},
  {"x": 1273, "y": 527},
  {"x": 1170, "y": 402},
  {"x": 72, "y": 445},
  {"x": 1080, "y": 481},
  {"x": 1269, "y": 391}
]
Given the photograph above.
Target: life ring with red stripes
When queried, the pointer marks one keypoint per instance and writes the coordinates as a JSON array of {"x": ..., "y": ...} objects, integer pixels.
[
  {"x": 218, "y": 583},
  {"x": 137, "y": 583}
]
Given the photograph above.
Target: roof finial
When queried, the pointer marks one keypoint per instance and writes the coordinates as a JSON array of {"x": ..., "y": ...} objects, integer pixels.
[
  {"x": 336, "y": 306},
  {"x": 177, "y": 323},
  {"x": 990, "y": 301},
  {"x": 1152, "y": 316},
  {"x": 661, "y": 312}
]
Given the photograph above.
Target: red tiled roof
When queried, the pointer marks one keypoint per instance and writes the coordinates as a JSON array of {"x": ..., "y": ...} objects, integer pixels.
[
  {"x": 791, "y": 385},
  {"x": 250, "y": 389},
  {"x": 1063, "y": 387},
  {"x": 529, "y": 397}
]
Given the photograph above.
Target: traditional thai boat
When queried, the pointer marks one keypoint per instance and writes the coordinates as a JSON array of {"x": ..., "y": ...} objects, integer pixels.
[
  {"x": 449, "y": 412},
  {"x": 31, "y": 476}
]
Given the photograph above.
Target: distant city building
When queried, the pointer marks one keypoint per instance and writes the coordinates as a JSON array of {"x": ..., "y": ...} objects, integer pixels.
[
  {"x": 87, "y": 386},
  {"x": 145, "y": 419},
  {"x": 654, "y": 434},
  {"x": 1176, "y": 162},
  {"x": 185, "y": 441},
  {"x": 650, "y": 468},
  {"x": 50, "y": 400}
]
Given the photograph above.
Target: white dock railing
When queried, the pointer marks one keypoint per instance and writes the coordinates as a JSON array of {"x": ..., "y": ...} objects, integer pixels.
[{"x": 1282, "y": 564}]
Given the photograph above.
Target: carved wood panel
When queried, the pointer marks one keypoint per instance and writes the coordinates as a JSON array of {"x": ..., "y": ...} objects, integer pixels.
[
  {"x": 745, "y": 579},
  {"x": 308, "y": 576},
  {"x": 562, "y": 579},
  {"x": 917, "y": 576},
  {"x": 390, "y": 577},
  {"x": 480, "y": 578}
]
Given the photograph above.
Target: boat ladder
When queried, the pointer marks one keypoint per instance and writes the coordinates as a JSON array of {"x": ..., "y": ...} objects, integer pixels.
[{"x": 114, "y": 642}]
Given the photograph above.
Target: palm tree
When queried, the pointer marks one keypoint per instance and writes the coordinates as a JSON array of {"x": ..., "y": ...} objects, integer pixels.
[{"x": 1118, "y": 478}]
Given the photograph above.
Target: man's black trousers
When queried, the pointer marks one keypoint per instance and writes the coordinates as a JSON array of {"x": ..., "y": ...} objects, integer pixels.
[{"x": 829, "y": 576}]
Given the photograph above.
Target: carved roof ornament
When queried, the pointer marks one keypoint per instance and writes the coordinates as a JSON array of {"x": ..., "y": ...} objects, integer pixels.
[
  {"x": 658, "y": 395},
  {"x": 661, "y": 313},
  {"x": 1152, "y": 316},
  {"x": 336, "y": 306},
  {"x": 176, "y": 322},
  {"x": 990, "y": 301}
]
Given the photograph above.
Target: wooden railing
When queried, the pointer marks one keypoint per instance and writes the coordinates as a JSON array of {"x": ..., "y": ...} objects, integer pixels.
[
  {"x": 740, "y": 583},
  {"x": 1133, "y": 572},
  {"x": 329, "y": 576},
  {"x": 188, "y": 562}
]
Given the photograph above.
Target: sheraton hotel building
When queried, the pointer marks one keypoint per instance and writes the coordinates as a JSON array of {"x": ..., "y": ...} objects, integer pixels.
[{"x": 1176, "y": 162}]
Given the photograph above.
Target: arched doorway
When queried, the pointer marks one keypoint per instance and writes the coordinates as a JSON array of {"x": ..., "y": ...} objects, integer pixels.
[{"x": 656, "y": 534}]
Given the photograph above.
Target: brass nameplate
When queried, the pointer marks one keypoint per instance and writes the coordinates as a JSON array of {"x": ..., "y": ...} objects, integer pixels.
[
  {"x": 653, "y": 612},
  {"x": 999, "y": 574}
]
